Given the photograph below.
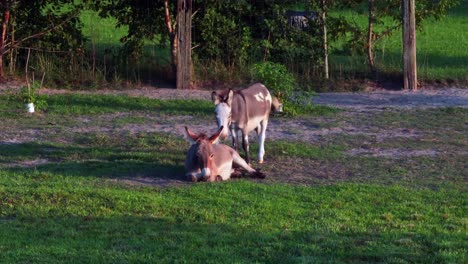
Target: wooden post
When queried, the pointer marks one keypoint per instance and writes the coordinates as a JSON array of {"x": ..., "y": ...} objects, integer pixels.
[
  {"x": 325, "y": 43},
  {"x": 184, "y": 37},
  {"x": 410, "y": 79}
]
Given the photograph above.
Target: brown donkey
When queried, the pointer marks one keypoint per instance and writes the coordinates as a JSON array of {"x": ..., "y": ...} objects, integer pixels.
[
  {"x": 245, "y": 110},
  {"x": 209, "y": 161}
]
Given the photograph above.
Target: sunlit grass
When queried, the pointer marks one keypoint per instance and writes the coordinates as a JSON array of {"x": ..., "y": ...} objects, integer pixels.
[
  {"x": 77, "y": 104},
  {"x": 74, "y": 196},
  {"x": 57, "y": 218}
]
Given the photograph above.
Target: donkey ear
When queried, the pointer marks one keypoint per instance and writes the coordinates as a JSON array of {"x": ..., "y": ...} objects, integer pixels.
[
  {"x": 215, "y": 137},
  {"x": 229, "y": 97},
  {"x": 215, "y": 98},
  {"x": 192, "y": 137}
]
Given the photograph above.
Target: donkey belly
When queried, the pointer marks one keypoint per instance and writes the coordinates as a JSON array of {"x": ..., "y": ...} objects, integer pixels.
[
  {"x": 225, "y": 170},
  {"x": 253, "y": 123}
]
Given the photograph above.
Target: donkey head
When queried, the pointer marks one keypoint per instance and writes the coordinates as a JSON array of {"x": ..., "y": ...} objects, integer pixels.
[
  {"x": 201, "y": 154},
  {"x": 223, "y": 103},
  {"x": 276, "y": 105}
]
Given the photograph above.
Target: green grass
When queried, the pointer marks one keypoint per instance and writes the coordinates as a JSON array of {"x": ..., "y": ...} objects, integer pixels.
[
  {"x": 106, "y": 37},
  {"x": 54, "y": 218},
  {"x": 70, "y": 189},
  {"x": 77, "y": 104}
]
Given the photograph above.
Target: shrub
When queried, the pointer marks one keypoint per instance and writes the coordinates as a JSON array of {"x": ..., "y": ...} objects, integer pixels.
[
  {"x": 28, "y": 95},
  {"x": 276, "y": 77}
]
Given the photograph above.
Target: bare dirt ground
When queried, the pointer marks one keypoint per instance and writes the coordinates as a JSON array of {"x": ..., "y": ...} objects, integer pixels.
[{"x": 424, "y": 98}]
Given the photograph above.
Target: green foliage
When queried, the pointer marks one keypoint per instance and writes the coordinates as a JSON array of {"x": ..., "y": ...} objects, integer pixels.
[
  {"x": 228, "y": 37},
  {"x": 144, "y": 20},
  {"x": 387, "y": 19},
  {"x": 283, "y": 85},
  {"x": 224, "y": 38},
  {"x": 27, "y": 94},
  {"x": 36, "y": 17},
  {"x": 245, "y": 31},
  {"x": 276, "y": 77}
]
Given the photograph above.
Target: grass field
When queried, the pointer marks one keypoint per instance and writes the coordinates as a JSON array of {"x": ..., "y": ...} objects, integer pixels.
[{"x": 91, "y": 180}]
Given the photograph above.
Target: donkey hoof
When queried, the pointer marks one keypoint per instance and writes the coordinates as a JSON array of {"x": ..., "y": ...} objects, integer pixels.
[
  {"x": 260, "y": 161},
  {"x": 260, "y": 174},
  {"x": 218, "y": 178}
]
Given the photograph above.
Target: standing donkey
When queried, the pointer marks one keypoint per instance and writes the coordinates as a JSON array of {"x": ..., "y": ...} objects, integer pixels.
[
  {"x": 209, "y": 161},
  {"x": 244, "y": 110}
]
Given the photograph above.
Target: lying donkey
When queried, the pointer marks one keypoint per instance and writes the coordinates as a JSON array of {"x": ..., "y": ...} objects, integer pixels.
[
  {"x": 245, "y": 110},
  {"x": 209, "y": 161}
]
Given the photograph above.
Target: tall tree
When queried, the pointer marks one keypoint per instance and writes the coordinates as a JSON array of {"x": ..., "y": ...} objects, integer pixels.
[
  {"x": 184, "y": 47},
  {"x": 370, "y": 35},
  {"x": 325, "y": 37},
  {"x": 5, "y": 21},
  {"x": 148, "y": 20},
  {"x": 35, "y": 20},
  {"x": 385, "y": 17},
  {"x": 410, "y": 79}
]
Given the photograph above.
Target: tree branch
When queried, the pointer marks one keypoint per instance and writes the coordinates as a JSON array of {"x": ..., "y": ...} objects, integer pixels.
[
  {"x": 39, "y": 34},
  {"x": 168, "y": 17}
]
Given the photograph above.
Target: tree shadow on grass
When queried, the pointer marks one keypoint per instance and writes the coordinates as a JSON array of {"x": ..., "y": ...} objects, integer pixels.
[
  {"x": 169, "y": 240},
  {"x": 84, "y": 104},
  {"x": 100, "y": 162}
]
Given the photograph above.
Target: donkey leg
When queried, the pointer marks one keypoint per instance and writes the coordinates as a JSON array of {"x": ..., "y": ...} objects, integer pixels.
[
  {"x": 261, "y": 140},
  {"x": 234, "y": 139},
  {"x": 245, "y": 146},
  {"x": 239, "y": 161}
]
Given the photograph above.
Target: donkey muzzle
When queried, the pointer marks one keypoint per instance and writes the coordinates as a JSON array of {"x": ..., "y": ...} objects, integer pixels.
[{"x": 205, "y": 173}]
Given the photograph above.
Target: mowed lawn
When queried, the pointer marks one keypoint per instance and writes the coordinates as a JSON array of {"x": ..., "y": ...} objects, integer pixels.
[{"x": 91, "y": 179}]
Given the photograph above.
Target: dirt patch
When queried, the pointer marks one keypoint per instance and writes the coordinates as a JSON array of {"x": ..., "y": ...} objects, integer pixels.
[
  {"x": 148, "y": 92},
  {"x": 391, "y": 153},
  {"x": 381, "y": 99}
]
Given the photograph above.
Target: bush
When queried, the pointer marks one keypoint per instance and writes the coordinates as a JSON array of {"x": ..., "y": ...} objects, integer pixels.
[
  {"x": 276, "y": 77},
  {"x": 283, "y": 85}
]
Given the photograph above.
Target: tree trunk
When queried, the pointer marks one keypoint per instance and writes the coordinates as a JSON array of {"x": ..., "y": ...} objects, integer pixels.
[
  {"x": 5, "y": 21},
  {"x": 184, "y": 46},
  {"x": 172, "y": 38},
  {"x": 370, "y": 36},
  {"x": 13, "y": 51},
  {"x": 410, "y": 79},
  {"x": 325, "y": 42}
]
